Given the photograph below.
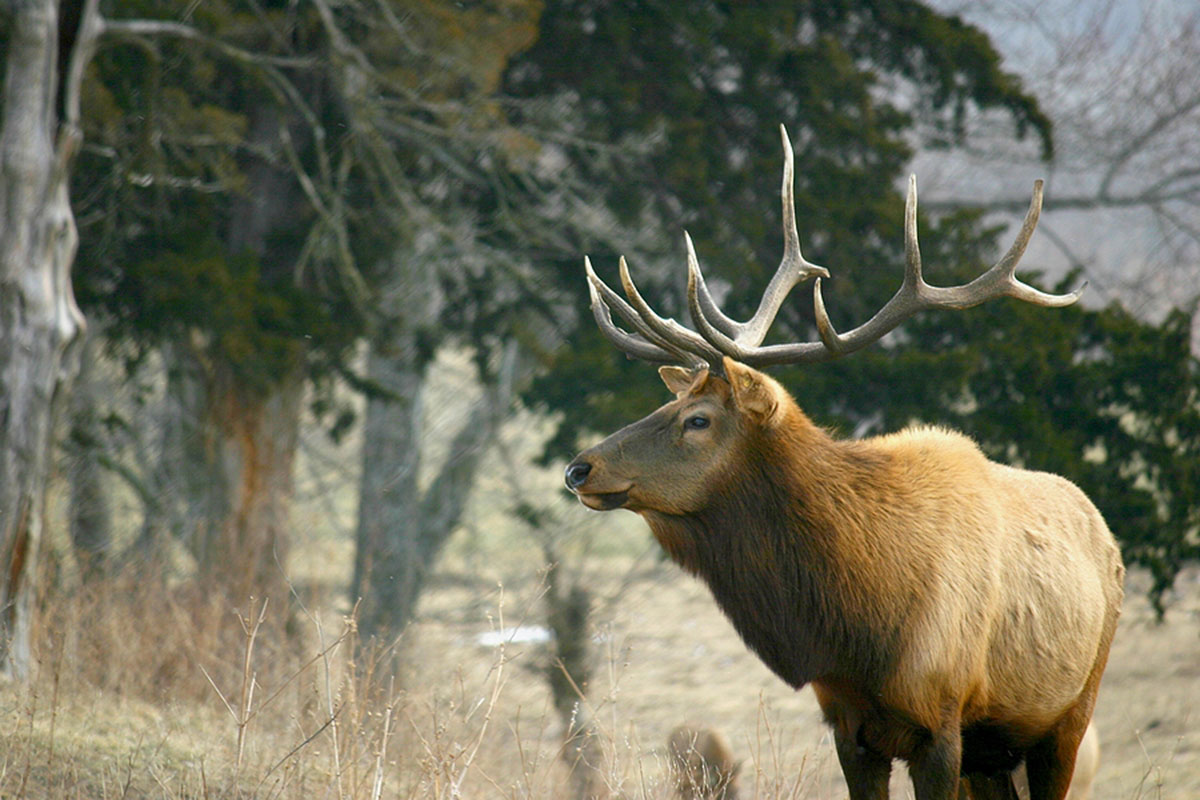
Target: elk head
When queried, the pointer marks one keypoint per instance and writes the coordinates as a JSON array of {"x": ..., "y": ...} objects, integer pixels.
[
  {"x": 668, "y": 462},
  {"x": 674, "y": 459}
]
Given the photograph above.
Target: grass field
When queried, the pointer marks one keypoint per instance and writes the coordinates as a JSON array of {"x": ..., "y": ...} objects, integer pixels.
[
  {"x": 158, "y": 692},
  {"x": 674, "y": 657}
]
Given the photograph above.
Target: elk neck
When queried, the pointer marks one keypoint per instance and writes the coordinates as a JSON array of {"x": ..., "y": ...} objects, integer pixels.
[{"x": 781, "y": 545}]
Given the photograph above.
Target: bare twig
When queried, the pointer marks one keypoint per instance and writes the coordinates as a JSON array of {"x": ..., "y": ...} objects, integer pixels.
[
  {"x": 498, "y": 681},
  {"x": 381, "y": 755},
  {"x": 307, "y": 740},
  {"x": 154, "y": 27}
]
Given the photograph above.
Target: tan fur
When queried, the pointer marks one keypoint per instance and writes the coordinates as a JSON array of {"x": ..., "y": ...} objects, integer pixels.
[
  {"x": 701, "y": 764},
  {"x": 931, "y": 596}
]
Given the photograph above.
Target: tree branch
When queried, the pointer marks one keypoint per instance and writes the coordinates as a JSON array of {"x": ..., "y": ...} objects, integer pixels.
[
  {"x": 1135, "y": 145},
  {"x": 137, "y": 28},
  {"x": 1155, "y": 194}
]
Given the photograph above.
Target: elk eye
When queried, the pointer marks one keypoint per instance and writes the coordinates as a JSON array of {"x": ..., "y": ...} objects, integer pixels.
[{"x": 696, "y": 423}]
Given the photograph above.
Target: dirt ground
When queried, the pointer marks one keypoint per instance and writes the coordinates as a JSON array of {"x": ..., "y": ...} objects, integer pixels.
[{"x": 670, "y": 656}]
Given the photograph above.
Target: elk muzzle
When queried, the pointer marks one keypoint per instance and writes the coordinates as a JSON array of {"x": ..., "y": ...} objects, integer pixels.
[{"x": 581, "y": 478}]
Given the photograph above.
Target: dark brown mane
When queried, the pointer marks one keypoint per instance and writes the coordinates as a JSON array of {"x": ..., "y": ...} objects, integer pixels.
[{"x": 786, "y": 598}]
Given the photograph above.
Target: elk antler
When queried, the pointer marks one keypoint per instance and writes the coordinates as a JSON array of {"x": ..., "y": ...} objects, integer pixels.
[{"x": 665, "y": 340}]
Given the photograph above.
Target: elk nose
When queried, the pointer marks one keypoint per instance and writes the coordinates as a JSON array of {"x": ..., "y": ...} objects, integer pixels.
[{"x": 577, "y": 473}]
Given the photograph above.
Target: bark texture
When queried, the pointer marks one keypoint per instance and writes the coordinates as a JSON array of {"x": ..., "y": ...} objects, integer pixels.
[
  {"x": 404, "y": 522},
  {"x": 39, "y": 320},
  {"x": 402, "y": 529},
  {"x": 228, "y": 459},
  {"x": 251, "y": 442}
]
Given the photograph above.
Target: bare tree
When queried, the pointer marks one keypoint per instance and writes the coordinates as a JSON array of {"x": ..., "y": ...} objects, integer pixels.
[
  {"x": 452, "y": 260},
  {"x": 404, "y": 522},
  {"x": 1118, "y": 78},
  {"x": 39, "y": 321}
]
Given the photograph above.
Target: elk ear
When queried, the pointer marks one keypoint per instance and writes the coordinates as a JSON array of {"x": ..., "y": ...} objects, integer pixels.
[
  {"x": 754, "y": 393},
  {"x": 682, "y": 379}
]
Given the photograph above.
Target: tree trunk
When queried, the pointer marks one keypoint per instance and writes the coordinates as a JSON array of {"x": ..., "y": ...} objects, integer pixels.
[
  {"x": 89, "y": 512},
  {"x": 401, "y": 529},
  {"x": 568, "y": 611},
  {"x": 38, "y": 317},
  {"x": 234, "y": 468},
  {"x": 390, "y": 553}
]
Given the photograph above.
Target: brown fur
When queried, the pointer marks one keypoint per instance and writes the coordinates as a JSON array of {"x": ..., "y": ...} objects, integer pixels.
[
  {"x": 1087, "y": 763},
  {"x": 949, "y": 611},
  {"x": 702, "y": 764}
]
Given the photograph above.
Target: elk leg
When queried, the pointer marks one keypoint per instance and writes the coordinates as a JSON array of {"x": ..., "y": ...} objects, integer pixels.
[
  {"x": 935, "y": 768},
  {"x": 997, "y": 786},
  {"x": 866, "y": 771},
  {"x": 1050, "y": 764}
]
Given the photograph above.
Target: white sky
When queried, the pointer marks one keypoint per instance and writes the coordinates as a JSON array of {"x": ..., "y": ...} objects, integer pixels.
[{"x": 1106, "y": 72}]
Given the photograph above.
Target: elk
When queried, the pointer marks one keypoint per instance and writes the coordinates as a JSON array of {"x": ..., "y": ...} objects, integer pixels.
[
  {"x": 948, "y": 610},
  {"x": 702, "y": 765}
]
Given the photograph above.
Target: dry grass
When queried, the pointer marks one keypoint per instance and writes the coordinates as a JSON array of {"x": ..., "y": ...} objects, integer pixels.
[
  {"x": 158, "y": 691},
  {"x": 152, "y": 690}
]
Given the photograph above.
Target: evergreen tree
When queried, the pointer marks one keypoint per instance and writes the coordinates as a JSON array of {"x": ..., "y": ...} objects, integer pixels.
[
  {"x": 699, "y": 89},
  {"x": 1096, "y": 395}
]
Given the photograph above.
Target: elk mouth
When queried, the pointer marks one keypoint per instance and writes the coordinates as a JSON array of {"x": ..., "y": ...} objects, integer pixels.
[{"x": 603, "y": 501}]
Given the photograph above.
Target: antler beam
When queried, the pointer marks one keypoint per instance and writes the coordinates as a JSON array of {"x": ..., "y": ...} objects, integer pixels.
[{"x": 665, "y": 341}]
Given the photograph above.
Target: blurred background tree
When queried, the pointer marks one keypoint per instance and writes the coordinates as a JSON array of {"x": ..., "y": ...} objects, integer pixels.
[
  {"x": 40, "y": 323},
  {"x": 288, "y": 211},
  {"x": 220, "y": 244}
]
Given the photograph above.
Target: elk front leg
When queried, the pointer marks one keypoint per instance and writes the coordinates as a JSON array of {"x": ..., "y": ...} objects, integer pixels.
[
  {"x": 998, "y": 786},
  {"x": 935, "y": 768},
  {"x": 866, "y": 771}
]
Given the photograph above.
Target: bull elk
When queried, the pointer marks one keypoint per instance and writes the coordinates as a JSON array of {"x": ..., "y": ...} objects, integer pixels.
[{"x": 949, "y": 611}]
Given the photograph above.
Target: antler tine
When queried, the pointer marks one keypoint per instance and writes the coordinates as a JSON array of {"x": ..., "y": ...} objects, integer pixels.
[
  {"x": 916, "y": 295},
  {"x": 737, "y": 339},
  {"x": 668, "y": 331},
  {"x": 910, "y": 298},
  {"x": 645, "y": 346},
  {"x": 695, "y": 296},
  {"x": 793, "y": 267},
  {"x": 912, "y": 244},
  {"x": 706, "y": 307},
  {"x": 1006, "y": 267}
]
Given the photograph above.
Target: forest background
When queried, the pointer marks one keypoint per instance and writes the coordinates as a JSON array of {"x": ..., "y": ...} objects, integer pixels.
[{"x": 294, "y": 336}]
